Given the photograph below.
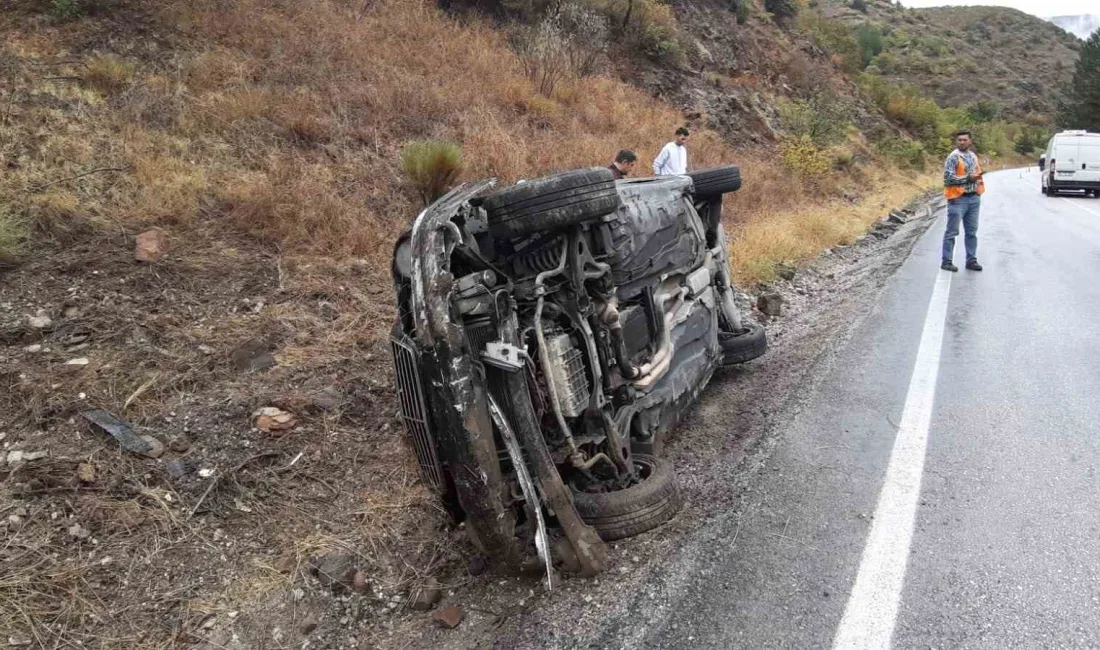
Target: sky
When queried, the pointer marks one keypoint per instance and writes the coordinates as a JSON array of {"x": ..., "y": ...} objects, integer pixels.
[{"x": 1041, "y": 8}]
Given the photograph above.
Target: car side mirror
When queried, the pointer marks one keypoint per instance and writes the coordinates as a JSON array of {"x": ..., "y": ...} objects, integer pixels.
[{"x": 1042, "y": 163}]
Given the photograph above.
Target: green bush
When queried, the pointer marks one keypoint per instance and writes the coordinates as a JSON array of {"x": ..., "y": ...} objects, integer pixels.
[
  {"x": 431, "y": 167},
  {"x": 741, "y": 8},
  {"x": 870, "y": 42},
  {"x": 783, "y": 10},
  {"x": 832, "y": 36},
  {"x": 983, "y": 111},
  {"x": 1030, "y": 139},
  {"x": 66, "y": 9},
  {"x": 902, "y": 151},
  {"x": 13, "y": 238},
  {"x": 649, "y": 25},
  {"x": 821, "y": 118},
  {"x": 803, "y": 159},
  {"x": 844, "y": 161}
]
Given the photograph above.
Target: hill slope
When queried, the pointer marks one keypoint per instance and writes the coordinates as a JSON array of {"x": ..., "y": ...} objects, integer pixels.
[{"x": 962, "y": 55}]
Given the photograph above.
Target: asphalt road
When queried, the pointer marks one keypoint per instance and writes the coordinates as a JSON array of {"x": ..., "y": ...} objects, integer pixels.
[{"x": 948, "y": 458}]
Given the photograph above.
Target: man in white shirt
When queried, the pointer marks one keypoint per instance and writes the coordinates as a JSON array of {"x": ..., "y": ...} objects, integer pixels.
[{"x": 673, "y": 158}]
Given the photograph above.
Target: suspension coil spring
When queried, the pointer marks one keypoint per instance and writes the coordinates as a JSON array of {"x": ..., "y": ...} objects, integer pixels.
[{"x": 544, "y": 259}]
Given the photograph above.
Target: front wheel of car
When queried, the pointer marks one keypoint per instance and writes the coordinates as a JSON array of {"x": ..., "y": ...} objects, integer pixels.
[
  {"x": 552, "y": 202},
  {"x": 716, "y": 181},
  {"x": 749, "y": 343},
  {"x": 636, "y": 509}
]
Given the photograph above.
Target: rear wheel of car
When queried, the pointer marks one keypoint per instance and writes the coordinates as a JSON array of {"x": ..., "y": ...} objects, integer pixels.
[
  {"x": 716, "y": 180},
  {"x": 638, "y": 508},
  {"x": 751, "y": 342},
  {"x": 552, "y": 202}
]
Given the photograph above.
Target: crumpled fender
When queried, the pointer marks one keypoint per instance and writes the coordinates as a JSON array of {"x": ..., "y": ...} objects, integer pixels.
[{"x": 465, "y": 427}]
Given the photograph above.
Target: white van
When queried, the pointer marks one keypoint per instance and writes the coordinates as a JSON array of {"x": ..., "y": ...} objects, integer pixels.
[{"x": 1072, "y": 162}]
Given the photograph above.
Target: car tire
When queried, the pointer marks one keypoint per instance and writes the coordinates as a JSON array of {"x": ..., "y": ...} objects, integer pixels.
[
  {"x": 552, "y": 202},
  {"x": 637, "y": 509},
  {"x": 750, "y": 343},
  {"x": 716, "y": 180}
]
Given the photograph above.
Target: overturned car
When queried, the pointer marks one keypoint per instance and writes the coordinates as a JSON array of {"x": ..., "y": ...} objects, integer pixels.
[{"x": 548, "y": 336}]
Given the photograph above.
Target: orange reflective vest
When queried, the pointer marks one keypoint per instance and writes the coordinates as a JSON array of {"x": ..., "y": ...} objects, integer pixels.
[{"x": 956, "y": 191}]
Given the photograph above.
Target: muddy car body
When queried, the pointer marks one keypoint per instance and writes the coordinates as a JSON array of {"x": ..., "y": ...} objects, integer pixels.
[{"x": 548, "y": 336}]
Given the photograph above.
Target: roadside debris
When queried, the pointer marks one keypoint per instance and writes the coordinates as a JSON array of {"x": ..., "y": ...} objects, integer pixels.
[
  {"x": 178, "y": 468},
  {"x": 307, "y": 626},
  {"x": 254, "y": 355},
  {"x": 477, "y": 566},
  {"x": 770, "y": 304},
  {"x": 24, "y": 456},
  {"x": 786, "y": 271},
  {"x": 335, "y": 570},
  {"x": 79, "y": 361},
  {"x": 85, "y": 473},
  {"x": 40, "y": 320},
  {"x": 272, "y": 419},
  {"x": 425, "y": 597},
  {"x": 119, "y": 430},
  {"x": 326, "y": 400},
  {"x": 448, "y": 617},
  {"x": 150, "y": 246},
  {"x": 180, "y": 444},
  {"x": 359, "y": 582},
  {"x": 156, "y": 447}
]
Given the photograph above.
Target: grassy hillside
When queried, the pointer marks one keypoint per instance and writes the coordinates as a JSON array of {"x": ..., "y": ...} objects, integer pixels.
[{"x": 964, "y": 55}]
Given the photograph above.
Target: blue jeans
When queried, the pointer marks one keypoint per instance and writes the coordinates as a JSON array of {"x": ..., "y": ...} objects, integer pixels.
[{"x": 964, "y": 208}]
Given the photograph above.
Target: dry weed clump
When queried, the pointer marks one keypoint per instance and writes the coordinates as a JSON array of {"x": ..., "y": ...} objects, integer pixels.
[
  {"x": 13, "y": 238},
  {"x": 108, "y": 74},
  {"x": 431, "y": 166}
]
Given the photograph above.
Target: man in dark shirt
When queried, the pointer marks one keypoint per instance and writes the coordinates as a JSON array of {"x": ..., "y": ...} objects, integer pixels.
[{"x": 623, "y": 164}]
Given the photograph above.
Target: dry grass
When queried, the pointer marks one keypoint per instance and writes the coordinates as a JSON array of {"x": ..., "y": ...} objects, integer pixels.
[
  {"x": 108, "y": 74},
  {"x": 795, "y": 235},
  {"x": 13, "y": 238}
]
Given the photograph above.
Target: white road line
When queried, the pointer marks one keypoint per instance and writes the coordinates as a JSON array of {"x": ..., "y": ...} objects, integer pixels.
[
  {"x": 872, "y": 608},
  {"x": 1078, "y": 205}
]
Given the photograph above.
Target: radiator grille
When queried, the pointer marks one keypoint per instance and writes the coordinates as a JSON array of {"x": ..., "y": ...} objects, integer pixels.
[{"x": 414, "y": 411}]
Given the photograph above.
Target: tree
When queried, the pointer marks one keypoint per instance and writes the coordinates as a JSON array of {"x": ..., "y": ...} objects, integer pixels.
[{"x": 1081, "y": 110}]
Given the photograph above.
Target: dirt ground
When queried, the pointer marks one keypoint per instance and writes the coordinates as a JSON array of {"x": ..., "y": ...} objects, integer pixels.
[
  {"x": 108, "y": 548},
  {"x": 316, "y": 535}
]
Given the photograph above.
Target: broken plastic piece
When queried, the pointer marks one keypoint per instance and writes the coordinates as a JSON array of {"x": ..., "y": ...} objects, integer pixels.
[{"x": 119, "y": 430}]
